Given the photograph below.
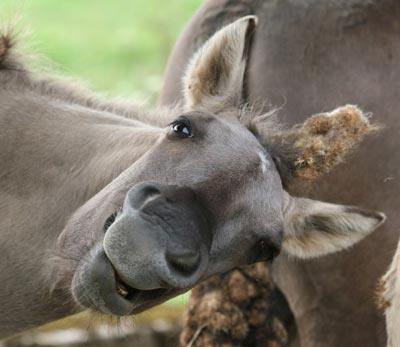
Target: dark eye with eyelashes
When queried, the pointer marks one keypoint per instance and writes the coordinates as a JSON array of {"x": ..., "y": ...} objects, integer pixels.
[{"x": 181, "y": 128}]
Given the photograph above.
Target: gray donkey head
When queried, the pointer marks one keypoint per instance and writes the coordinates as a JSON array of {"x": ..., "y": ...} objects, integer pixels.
[{"x": 210, "y": 194}]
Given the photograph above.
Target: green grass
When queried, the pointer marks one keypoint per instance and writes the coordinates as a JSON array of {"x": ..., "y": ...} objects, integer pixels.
[{"x": 119, "y": 46}]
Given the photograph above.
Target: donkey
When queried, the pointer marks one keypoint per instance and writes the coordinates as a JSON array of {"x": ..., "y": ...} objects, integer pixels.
[
  {"x": 313, "y": 55},
  {"x": 114, "y": 209}
]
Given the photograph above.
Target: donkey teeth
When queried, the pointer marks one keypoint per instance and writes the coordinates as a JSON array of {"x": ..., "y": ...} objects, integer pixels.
[{"x": 121, "y": 290}]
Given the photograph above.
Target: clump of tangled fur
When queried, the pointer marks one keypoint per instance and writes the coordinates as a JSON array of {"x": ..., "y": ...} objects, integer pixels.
[
  {"x": 309, "y": 150},
  {"x": 241, "y": 308}
]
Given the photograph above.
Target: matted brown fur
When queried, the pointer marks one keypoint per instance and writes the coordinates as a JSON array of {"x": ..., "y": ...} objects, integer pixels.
[
  {"x": 314, "y": 148},
  {"x": 325, "y": 139},
  {"x": 381, "y": 301},
  {"x": 236, "y": 309}
]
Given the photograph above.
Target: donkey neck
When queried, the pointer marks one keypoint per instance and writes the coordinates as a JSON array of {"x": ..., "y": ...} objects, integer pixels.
[
  {"x": 55, "y": 156},
  {"x": 52, "y": 143}
]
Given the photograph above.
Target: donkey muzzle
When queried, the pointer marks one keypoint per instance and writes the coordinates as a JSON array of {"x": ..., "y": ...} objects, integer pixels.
[{"x": 161, "y": 239}]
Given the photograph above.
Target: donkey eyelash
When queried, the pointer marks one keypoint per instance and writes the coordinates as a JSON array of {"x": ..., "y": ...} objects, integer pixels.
[{"x": 181, "y": 119}]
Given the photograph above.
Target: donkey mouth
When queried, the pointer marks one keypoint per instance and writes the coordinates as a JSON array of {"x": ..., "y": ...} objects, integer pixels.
[
  {"x": 96, "y": 285},
  {"x": 142, "y": 300},
  {"x": 123, "y": 289},
  {"x": 155, "y": 247},
  {"x": 138, "y": 297}
]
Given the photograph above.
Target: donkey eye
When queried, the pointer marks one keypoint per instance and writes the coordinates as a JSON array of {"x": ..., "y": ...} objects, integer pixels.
[{"x": 181, "y": 128}]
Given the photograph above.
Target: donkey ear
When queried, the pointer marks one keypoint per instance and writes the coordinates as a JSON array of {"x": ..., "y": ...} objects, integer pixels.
[
  {"x": 315, "y": 228},
  {"x": 214, "y": 77}
]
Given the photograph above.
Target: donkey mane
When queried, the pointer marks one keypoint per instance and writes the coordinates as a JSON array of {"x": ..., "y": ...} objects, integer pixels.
[
  {"x": 17, "y": 75},
  {"x": 7, "y": 42}
]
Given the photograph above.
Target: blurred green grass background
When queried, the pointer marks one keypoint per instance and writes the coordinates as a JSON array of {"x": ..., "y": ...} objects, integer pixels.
[{"x": 119, "y": 46}]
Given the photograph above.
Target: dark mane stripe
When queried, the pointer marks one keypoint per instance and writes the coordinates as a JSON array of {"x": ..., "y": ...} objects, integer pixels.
[{"x": 7, "y": 42}]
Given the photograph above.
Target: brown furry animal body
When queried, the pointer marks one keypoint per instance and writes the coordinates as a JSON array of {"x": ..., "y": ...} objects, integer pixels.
[{"x": 310, "y": 55}]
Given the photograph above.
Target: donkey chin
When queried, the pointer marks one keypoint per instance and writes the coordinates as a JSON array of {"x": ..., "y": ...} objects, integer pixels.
[{"x": 156, "y": 247}]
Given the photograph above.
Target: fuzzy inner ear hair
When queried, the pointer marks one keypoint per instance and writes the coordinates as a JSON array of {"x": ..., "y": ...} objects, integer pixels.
[{"x": 214, "y": 76}]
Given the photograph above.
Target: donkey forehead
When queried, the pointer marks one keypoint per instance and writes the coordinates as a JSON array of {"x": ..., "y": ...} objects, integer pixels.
[
  {"x": 225, "y": 129},
  {"x": 228, "y": 143}
]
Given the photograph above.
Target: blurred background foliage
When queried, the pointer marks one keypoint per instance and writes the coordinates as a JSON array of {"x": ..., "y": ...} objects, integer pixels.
[{"x": 120, "y": 47}]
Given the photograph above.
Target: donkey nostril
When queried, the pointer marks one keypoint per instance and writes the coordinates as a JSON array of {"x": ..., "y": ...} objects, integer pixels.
[
  {"x": 184, "y": 262},
  {"x": 110, "y": 220},
  {"x": 265, "y": 250}
]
